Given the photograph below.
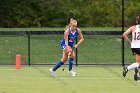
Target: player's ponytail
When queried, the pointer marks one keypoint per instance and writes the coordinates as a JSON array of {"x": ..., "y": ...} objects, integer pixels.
[
  {"x": 67, "y": 26},
  {"x": 138, "y": 19}
]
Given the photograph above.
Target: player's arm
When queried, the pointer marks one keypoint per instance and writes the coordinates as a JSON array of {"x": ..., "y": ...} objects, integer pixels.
[
  {"x": 126, "y": 33},
  {"x": 66, "y": 40},
  {"x": 81, "y": 38}
]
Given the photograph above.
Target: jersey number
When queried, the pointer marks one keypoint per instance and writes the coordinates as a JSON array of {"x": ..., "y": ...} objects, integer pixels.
[{"x": 137, "y": 36}]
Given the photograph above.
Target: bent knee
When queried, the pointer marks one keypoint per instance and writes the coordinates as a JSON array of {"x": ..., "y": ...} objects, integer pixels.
[{"x": 63, "y": 60}]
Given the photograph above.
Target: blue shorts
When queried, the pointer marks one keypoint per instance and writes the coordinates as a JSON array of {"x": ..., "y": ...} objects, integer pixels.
[{"x": 63, "y": 46}]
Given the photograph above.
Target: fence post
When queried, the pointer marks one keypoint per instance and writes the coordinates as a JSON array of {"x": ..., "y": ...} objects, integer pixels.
[
  {"x": 28, "y": 48},
  {"x": 76, "y": 54},
  {"x": 122, "y": 32}
]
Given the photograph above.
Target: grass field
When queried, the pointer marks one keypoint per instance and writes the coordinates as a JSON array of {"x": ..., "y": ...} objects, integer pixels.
[
  {"x": 37, "y": 79},
  {"x": 97, "y": 49}
]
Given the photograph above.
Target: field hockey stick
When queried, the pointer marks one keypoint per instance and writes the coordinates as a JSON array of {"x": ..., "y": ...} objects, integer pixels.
[{"x": 67, "y": 59}]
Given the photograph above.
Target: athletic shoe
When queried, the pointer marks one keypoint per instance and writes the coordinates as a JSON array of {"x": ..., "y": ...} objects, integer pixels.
[
  {"x": 72, "y": 73},
  {"x": 135, "y": 77},
  {"x": 52, "y": 72},
  {"x": 137, "y": 74},
  {"x": 125, "y": 70},
  {"x": 136, "y": 70}
]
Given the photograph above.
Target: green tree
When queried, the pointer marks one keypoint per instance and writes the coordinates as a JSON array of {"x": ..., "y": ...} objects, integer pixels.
[{"x": 56, "y": 13}]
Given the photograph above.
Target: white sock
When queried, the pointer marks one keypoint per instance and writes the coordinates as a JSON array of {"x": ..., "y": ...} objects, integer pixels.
[{"x": 132, "y": 66}]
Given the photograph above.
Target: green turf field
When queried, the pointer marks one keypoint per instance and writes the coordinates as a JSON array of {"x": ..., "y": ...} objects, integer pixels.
[{"x": 37, "y": 79}]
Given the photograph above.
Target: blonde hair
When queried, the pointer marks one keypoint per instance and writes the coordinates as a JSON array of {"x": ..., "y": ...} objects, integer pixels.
[
  {"x": 71, "y": 21},
  {"x": 67, "y": 26},
  {"x": 74, "y": 21}
]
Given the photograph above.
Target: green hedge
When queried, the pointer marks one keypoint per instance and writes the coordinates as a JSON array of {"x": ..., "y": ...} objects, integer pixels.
[{"x": 56, "y": 13}]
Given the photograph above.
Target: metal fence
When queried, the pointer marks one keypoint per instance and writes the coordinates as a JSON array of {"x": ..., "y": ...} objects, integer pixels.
[{"x": 42, "y": 48}]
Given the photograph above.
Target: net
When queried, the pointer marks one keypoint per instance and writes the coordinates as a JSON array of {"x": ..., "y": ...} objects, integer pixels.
[
  {"x": 100, "y": 49},
  {"x": 10, "y": 46},
  {"x": 45, "y": 49},
  {"x": 96, "y": 49}
]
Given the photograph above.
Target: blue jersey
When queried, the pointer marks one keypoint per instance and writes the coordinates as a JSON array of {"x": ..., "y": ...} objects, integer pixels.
[{"x": 71, "y": 38}]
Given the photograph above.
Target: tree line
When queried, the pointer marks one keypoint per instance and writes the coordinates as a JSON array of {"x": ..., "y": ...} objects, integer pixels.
[{"x": 56, "y": 13}]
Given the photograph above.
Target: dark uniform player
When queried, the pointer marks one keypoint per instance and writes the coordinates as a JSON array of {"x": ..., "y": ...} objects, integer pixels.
[{"x": 135, "y": 46}]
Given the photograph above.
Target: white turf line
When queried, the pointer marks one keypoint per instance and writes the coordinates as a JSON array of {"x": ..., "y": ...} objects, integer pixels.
[
  {"x": 61, "y": 77},
  {"x": 91, "y": 78}
]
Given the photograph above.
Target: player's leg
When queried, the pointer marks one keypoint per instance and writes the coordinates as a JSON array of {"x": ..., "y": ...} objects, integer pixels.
[
  {"x": 71, "y": 61},
  {"x": 136, "y": 52},
  {"x": 135, "y": 65},
  {"x": 137, "y": 75},
  {"x": 59, "y": 63},
  {"x": 132, "y": 66}
]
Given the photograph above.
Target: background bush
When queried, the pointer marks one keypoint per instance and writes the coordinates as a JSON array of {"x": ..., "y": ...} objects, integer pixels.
[{"x": 56, "y": 13}]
